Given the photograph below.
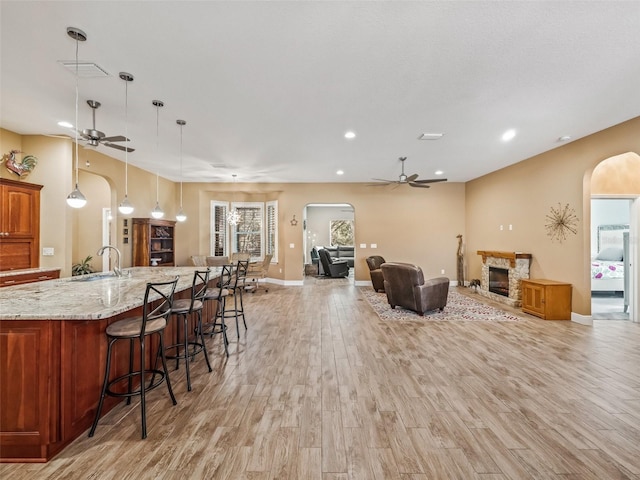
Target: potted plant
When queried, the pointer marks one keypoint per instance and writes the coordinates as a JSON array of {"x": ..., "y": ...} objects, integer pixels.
[{"x": 83, "y": 267}]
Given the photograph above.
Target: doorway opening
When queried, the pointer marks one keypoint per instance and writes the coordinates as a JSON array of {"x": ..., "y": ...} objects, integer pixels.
[
  {"x": 615, "y": 222},
  {"x": 329, "y": 226}
]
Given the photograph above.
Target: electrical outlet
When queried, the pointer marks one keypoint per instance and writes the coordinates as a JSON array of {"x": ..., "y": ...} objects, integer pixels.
[
  {"x": 363, "y": 245},
  {"x": 442, "y": 271},
  {"x": 510, "y": 227},
  {"x": 374, "y": 245},
  {"x": 292, "y": 245},
  {"x": 501, "y": 227}
]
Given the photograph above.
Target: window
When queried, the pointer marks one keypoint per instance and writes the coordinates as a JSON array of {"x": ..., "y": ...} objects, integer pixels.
[
  {"x": 341, "y": 233},
  {"x": 255, "y": 233},
  {"x": 272, "y": 230},
  {"x": 219, "y": 244},
  {"x": 247, "y": 234}
]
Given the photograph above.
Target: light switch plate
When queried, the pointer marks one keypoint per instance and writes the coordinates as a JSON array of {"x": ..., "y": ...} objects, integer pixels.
[
  {"x": 291, "y": 245},
  {"x": 374, "y": 245},
  {"x": 363, "y": 245},
  {"x": 47, "y": 251}
]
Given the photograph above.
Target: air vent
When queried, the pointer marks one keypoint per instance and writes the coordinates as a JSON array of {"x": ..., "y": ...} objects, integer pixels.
[
  {"x": 430, "y": 136},
  {"x": 85, "y": 69}
]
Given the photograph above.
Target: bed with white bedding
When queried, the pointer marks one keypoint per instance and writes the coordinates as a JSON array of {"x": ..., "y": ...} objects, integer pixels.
[{"x": 607, "y": 267}]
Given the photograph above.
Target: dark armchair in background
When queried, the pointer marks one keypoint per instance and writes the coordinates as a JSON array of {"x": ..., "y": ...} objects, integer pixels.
[
  {"x": 332, "y": 267},
  {"x": 406, "y": 287},
  {"x": 377, "y": 279}
]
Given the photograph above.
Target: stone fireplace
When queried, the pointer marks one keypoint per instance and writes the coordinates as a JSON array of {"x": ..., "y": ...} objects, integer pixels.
[{"x": 501, "y": 275}]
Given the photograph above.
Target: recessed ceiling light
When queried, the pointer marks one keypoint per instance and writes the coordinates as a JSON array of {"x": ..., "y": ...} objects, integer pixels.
[
  {"x": 508, "y": 135},
  {"x": 65, "y": 124},
  {"x": 350, "y": 135},
  {"x": 564, "y": 138},
  {"x": 430, "y": 136},
  {"x": 340, "y": 172},
  {"x": 438, "y": 172}
]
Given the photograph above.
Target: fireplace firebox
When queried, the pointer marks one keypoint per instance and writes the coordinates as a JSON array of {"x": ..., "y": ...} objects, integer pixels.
[{"x": 499, "y": 281}]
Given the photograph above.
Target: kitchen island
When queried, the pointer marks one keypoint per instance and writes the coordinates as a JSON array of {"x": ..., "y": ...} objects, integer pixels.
[{"x": 53, "y": 352}]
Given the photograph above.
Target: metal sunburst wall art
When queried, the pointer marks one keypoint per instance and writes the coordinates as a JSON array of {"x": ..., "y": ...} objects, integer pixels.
[{"x": 560, "y": 222}]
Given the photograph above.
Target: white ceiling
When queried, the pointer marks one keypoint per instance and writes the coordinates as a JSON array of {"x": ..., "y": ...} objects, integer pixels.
[{"x": 269, "y": 88}]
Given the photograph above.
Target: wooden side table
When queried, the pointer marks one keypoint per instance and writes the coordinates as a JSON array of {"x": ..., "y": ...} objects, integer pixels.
[{"x": 547, "y": 299}]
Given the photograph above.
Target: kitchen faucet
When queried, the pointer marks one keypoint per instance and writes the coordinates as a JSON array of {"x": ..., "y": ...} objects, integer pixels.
[{"x": 117, "y": 270}]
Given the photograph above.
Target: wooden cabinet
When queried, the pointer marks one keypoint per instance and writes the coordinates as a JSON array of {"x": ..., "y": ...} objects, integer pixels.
[
  {"x": 28, "y": 277},
  {"x": 19, "y": 224},
  {"x": 547, "y": 299},
  {"x": 153, "y": 242}
]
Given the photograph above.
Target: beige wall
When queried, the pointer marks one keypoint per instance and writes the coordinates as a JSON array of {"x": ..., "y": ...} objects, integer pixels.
[
  {"x": 407, "y": 224},
  {"x": 522, "y": 194}
]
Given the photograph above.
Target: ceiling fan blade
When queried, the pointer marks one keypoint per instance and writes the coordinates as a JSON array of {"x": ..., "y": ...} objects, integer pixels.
[
  {"x": 383, "y": 180},
  {"x": 419, "y": 185},
  {"x": 119, "y": 147},
  {"x": 431, "y": 180},
  {"x": 117, "y": 138},
  {"x": 412, "y": 178}
]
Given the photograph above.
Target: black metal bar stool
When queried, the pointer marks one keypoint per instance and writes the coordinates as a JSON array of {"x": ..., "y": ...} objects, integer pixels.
[
  {"x": 153, "y": 320},
  {"x": 237, "y": 285},
  {"x": 186, "y": 347},
  {"x": 219, "y": 294}
]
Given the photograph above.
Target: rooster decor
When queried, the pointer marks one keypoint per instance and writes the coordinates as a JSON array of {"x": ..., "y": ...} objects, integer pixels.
[{"x": 21, "y": 169}]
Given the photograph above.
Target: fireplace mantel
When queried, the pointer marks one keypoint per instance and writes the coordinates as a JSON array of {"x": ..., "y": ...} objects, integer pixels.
[{"x": 511, "y": 256}]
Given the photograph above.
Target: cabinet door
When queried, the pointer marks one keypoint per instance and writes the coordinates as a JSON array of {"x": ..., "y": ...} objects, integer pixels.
[
  {"x": 19, "y": 206},
  {"x": 533, "y": 297}
]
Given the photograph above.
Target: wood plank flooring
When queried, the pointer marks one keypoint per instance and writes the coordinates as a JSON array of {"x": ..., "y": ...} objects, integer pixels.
[{"x": 319, "y": 388}]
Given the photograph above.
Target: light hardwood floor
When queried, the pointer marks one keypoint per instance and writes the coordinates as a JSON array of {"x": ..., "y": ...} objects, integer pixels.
[{"x": 320, "y": 388}]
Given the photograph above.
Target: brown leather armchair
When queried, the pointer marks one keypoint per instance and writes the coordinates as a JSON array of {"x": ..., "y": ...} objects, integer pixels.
[
  {"x": 406, "y": 287},
  {"x": 374, "y": 262}
]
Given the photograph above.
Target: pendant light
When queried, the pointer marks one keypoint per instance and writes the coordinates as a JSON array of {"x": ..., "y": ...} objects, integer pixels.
[
  {"x": 233, "y": 217},
  {"x": 125, "y": 206},
  {"x": 181, "y": 217},
  {"x": 157, "y": 211},
  {"x": 76, "y": 199}
]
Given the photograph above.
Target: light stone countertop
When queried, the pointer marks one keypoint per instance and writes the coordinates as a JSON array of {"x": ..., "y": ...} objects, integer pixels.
[
  {"x": 75, "y": 298},
  {"x": 24, "y": 271}
]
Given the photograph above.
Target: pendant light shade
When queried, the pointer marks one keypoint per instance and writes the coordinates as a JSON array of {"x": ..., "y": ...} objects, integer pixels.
[
  {"x": 157, "y": 212},
  {"x": 76, "y": 199},
  {"x": 181, "y": 216},
  {"x": 125, "y": 207}
]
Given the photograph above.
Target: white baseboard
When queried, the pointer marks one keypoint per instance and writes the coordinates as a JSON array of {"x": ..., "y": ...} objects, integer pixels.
[{"x": 582, "y": 319}]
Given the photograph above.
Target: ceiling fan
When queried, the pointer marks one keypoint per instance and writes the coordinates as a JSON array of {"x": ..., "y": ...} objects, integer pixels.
[
  {"x": 95, "y": 137},
  {"x": 411, "y": 180}
]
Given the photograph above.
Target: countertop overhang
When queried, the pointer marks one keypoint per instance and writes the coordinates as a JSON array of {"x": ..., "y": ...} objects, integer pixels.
[{"x": 88, "y": 297}]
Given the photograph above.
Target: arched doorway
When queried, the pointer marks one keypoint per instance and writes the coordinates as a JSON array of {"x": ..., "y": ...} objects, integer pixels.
[
  {"x": 615, "y": 197},
  {"x": 329, "y": 225}
]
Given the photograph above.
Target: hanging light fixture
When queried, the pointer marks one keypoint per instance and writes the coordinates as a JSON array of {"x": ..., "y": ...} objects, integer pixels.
[
  {"x": 157, "y": 211},
  {"x": 233, "y": 217},
  {"x": 76, "y": 199},
  {"x": 181, "y": 217},
  {"x": 125, "y": 206}
]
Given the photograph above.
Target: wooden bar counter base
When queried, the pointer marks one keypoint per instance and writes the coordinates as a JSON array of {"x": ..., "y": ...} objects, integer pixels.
[{"x": 52, "y": 354}]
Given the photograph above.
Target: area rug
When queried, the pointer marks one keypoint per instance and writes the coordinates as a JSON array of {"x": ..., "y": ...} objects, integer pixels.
[{"x": 460, "y": 308}]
